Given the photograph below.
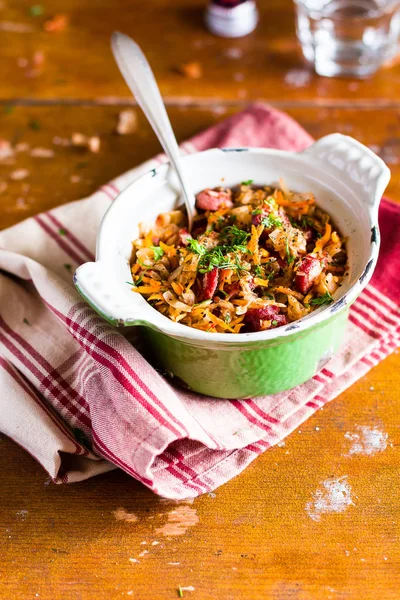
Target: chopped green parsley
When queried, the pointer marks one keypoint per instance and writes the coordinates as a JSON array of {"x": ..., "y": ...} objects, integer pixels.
[
  {"x": 321, "y": 300},
  {"x": 271, "y": 221},
  {"x": 158, "y": 252}
]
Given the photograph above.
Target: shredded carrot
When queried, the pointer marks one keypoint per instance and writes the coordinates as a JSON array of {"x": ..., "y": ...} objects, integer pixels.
[
  {"x": 289, "y": 292},
  {"x": 261, "y": 282},
  {"x": 148, "y": 240},
  {"x": 213, "y": 217},
  {"x": 218, "y": 321},
  {"x": 253, "y": 242},
  {"x": 135, "y": 268},
  {"x": 298, "y": 206},
  {"x": 177, "y": 287},
  {"x": 237, "y": 321},
  {"x": 146, "y": 289},
  {"x": 151, "y": 281},
  {"x": 324, "y": 239},
  {"x": 170, "y": 251},
  {"x": 308, "y": 298},
  {"x": 224, "y": 274}
]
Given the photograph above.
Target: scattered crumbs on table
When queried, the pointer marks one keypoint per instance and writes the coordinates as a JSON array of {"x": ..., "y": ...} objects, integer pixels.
[
  {"x": 58, "y": 551},
  {"x": 20, "y": 203},
  {"x": 127, "y": 122},
  {"x": 334, "y": 497},
  {"x": 181, "y": 589},
  {"x": 143, "y": 543},
  {"x": 94, "y": 144},
  {"x": 174, "y": 564},
  {"x": 42, "y": 152},
  {"x": 353, "y": 86},
  {"x": 281, "y": 444},
  {"x": 129, "y": 593},
  {"x": 143, "y": 553},
  {"x": 47, "y": 481},
  {"x": 19, "y": 174},
  {"x": 123, "y": 515},
  {"x": 234, "y": 53},
  {"x": 134, "y": 560},
  {"x": 22, "y": 62},
  {"x": 25, "y": 320},
  {"x": 14, "y": 27},
  {"x": 75, "y": 178},
  {"x": 179, "y": 520},
  {"x": 299, "y": 431},
  {"x": 211, "y": 495},
  {"x": 68, "y": 267},
  {"x": 21, "y": 147},
  {"x": 21, "y": 515},
  {"x": 371, "y": 389},
  {"x": 155, "y": 543},
  {"x": 191, "y": 70},
  {"x": 59, "y": 141},
  {"x": 57, "y": 23},
  {"x": 62, "y": 231},
  {"x": 366, "y": 440},
  {"x": 297, "y": 78},
  {"x": 35, "y": 125},
  {"x": 385, "y": 558},
  {"x": 316, "y": 428},
  {"x": 81, "y": 140}
]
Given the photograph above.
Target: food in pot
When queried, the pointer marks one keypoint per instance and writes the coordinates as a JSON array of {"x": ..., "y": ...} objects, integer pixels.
[{"x": 258, "y": 257}]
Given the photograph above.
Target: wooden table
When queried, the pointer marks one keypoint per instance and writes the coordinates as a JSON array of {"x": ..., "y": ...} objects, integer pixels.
[{"x": 254, "y": 538}]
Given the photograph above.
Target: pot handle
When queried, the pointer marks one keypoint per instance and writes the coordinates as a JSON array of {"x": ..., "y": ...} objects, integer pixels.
[
  {"x": 89, "y": 281},
  {"x": 366, "y": 172}
]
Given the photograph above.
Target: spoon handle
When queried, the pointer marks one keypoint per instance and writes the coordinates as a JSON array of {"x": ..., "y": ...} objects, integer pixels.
[{"x": 140, "y": 79}]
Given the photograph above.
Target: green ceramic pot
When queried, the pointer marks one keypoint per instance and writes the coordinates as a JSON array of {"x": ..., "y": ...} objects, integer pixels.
[
  {"x": 348, "y": 181},
  {"x": 248, "y": 369}
]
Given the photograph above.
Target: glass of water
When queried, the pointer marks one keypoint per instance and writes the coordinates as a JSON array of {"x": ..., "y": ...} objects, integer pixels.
[{"x": 348, "y": 38}]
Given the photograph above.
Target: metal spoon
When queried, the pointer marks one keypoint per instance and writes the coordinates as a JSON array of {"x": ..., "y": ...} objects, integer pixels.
[{"x": 139, "y": 77}]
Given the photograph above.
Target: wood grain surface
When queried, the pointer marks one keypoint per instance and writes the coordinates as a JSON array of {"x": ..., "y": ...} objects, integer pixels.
[
  {"x": 262, "y": 535},
  {"x": 78, "y": 63}
]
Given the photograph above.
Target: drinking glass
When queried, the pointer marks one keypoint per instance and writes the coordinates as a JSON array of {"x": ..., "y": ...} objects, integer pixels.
[{"x": 348, "y": 38}]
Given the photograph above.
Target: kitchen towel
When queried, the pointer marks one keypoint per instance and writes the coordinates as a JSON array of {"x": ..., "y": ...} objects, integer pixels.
[{"x": 80, "y": 397}]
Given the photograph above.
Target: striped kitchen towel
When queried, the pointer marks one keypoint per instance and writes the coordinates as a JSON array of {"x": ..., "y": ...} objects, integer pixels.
[{"x": 82, "y": 400}]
